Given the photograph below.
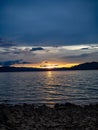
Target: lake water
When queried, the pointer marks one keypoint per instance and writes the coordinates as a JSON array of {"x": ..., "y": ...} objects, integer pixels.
[{"x": 49, "y": 87}]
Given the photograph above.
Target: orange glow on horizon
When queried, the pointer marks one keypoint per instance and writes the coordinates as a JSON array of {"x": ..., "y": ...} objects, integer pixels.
[{"x": 47, "y": 65}]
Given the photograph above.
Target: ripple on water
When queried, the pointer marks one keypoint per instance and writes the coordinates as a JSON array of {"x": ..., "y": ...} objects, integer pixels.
[{"x": 49, "y": 87}]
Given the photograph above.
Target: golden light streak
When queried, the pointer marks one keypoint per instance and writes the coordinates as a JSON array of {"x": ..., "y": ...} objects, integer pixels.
[
  {"x": 49, "y": 65},
  {"x": 49, "y": 74}
]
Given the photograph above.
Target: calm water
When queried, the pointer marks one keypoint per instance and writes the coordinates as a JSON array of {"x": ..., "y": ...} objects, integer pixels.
[{"x": 49, "y": 87}]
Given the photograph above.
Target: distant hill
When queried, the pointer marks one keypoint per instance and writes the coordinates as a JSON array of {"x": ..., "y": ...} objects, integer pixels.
[
  {"x": 18, "y": 69},
  {"x": 84, "y": 66}
]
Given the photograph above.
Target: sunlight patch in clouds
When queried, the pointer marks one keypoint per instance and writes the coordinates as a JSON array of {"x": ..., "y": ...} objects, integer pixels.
[{"x": 56, "y": 54}]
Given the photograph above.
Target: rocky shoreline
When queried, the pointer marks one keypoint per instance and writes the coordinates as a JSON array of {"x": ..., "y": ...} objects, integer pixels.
[{"x": 61, "y": 117}]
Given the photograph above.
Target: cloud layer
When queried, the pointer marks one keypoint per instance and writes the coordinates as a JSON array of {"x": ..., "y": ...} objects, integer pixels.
[
  {"x": 48, "y": 22},
  {"x": 56, "y": 54}
]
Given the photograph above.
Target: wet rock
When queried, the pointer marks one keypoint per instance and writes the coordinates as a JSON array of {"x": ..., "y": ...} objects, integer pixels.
[{"x": 62, "y": 117}]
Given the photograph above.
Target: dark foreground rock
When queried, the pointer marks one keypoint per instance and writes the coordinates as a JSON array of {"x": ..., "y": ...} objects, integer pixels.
[{"x": 61, "y": 117}]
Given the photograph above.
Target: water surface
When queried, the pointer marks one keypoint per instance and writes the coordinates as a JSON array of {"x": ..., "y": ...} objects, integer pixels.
[{"x": 49, "y": 87}]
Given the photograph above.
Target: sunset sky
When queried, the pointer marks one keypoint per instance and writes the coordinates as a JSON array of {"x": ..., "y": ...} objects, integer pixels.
[{"x": 57, "y": 33}]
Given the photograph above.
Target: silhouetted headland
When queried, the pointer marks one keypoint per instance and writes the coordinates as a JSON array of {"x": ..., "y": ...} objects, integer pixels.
[{"x": 84, "y": 66}]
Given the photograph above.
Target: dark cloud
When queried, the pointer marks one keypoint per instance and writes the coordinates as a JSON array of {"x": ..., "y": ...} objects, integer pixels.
[
  {"x": 36, "y": 22},
  {"x": 76, "y": 56},
  {"x": 12, "y": 62},
  {"x": 84, "y": 48},
  {"x": 37, "y": 49},
  {"x": 33, "y": 25},
  {"x": 82, "y": 57},
  {"x": 6, "y": 43}
]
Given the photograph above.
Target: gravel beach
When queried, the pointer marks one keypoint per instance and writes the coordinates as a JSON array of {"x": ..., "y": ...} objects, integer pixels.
[{"x": 61, "y": 117}]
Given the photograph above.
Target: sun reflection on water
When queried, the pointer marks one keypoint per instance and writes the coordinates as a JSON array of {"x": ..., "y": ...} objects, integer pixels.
[{"x": 49, "y": 74}]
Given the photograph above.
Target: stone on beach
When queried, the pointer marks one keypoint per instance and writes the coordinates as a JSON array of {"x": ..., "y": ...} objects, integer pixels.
[{"x": 61, "y": 117}]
